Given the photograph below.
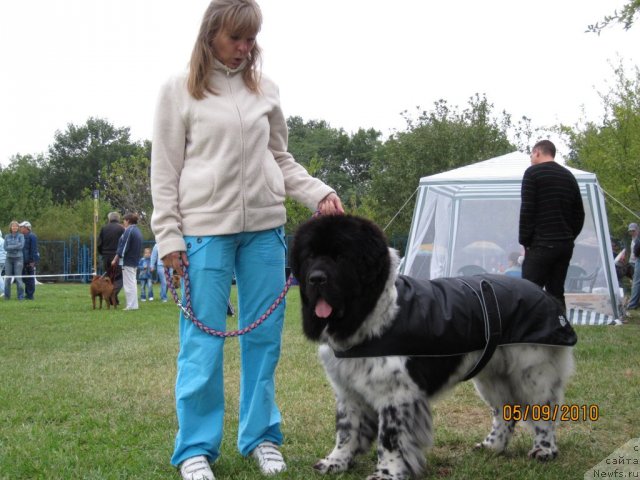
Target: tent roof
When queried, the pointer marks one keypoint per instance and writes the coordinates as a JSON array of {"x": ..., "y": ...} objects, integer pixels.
[{"x": 505, "y": 168}]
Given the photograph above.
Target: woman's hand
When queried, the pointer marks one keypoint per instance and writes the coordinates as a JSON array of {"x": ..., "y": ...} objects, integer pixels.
[
  {"x": 176, "y": 260},
  {"x": 331, "y": 205}
]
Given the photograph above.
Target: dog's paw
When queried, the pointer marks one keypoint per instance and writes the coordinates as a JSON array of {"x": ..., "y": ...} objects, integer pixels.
[
  {"x": 487, "y": 447},
  {"x": 386, "y": 475},
  {"x": 543, "y": 454},
  {"x": 332, "y": 465}
]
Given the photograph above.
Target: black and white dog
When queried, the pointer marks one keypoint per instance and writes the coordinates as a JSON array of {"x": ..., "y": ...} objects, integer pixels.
[{"x": 390, "y": 344}]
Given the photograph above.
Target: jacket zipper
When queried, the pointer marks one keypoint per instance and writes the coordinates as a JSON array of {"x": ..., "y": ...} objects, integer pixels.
[{"x": 242, "y": 153}]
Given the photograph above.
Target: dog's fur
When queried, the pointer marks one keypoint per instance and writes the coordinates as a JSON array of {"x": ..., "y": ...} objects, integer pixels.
[
  {"x": 347, "y": 275},
  {"x": 102, "y": 288}
]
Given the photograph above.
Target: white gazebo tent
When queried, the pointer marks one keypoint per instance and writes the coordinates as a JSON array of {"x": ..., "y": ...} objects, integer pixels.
[{"x": 466, "y": 220}]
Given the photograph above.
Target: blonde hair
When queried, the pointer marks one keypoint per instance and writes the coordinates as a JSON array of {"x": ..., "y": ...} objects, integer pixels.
[{"x": 239, "y": 17}]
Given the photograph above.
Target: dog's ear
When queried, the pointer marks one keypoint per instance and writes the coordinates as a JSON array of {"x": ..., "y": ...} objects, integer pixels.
[
  {"x": 301, "y": 247},
  {"x": 375, "y": 262}
]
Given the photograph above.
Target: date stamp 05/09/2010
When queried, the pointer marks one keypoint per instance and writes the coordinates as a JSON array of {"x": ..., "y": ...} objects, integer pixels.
[{"x": 550, "y": 413}]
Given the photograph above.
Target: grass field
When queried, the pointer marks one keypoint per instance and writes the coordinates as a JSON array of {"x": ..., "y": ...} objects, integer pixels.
[{"x": 89, "y": 395}]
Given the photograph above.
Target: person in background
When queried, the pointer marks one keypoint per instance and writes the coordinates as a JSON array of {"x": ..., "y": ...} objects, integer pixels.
[
  {"x": 31, "y": 259},
  {"x": 3, "y": 256},
  {"x": 220, "y": 171},
  {"x": 144, "y": 276},
  {"x": 14, "y": 261},
  {"x": 107, "y": 246},
  {"x": 514, "y": 268},
  {"x": 551, "y": 218},
  {"x": 634, "y": 301},
  {"x": 127, "y": 256},
  {"x": 633, "y": 232},
  {"x": 158, "y": 267}
]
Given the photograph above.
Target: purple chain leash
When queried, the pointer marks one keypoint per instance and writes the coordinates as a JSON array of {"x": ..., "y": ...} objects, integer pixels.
[{"x": 188, "y": 311}]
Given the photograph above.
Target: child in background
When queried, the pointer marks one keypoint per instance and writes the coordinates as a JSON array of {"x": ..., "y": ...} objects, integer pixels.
[{"x": 144, "y": 270}]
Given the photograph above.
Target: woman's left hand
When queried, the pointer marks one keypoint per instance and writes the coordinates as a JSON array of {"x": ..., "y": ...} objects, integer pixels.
[{"x": 331, "y": 205}]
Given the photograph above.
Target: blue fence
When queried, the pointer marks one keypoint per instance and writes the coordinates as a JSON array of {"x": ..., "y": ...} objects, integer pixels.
[
  {"x": 72, "y": 260},
  {"x": 69, "y": 260}
]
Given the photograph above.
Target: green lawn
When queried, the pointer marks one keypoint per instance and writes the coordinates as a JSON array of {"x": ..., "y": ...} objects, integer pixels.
[{"x": 89, "y": 395}]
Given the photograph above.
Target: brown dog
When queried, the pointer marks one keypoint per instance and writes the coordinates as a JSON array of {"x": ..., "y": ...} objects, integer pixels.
[{"x": 103, "y": 288}]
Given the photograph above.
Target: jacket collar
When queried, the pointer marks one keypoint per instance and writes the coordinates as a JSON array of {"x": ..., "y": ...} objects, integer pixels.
[{"x": 221, "y": 67}]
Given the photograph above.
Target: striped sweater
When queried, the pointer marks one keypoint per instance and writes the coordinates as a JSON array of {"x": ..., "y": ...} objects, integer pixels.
[{"x": 551, "y": 208}]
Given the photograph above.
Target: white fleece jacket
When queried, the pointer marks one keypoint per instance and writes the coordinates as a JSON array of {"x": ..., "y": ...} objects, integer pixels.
[{"x": 220, "y": 165}]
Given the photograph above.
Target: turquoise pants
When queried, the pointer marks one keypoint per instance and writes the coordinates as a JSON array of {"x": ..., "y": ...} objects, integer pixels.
[{"x": 258, "y": 261}]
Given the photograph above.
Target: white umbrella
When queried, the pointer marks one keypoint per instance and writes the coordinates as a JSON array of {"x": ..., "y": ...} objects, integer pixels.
[{"x": 484, "y": 248}]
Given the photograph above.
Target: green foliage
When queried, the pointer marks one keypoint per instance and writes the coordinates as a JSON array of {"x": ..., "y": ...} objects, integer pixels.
[
  {"x": 435, "y": 141},
  {"x": 357, "y": 165},
  {"x": 626, "y": 17},
  {"x": 338, "y": 159},
  {"x": 315, "y": 141},
  {"x": 611, "y": 149},
  {"x": 297, "y": 213},
  {"x": 126, "y": 186},
  {"x": 22, "y": 194},
  {"x": 55, "y": 192},
  {"x": 81, "y": 154},
  {"x": 60, "y": 222},
  {"x": 375, "y": 179}
]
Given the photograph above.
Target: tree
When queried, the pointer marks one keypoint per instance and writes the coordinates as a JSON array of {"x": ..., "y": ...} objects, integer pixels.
[
  {"x": 436, "y": 141},
  {"x": 61, "y": 222},
  {"x": 626, "y": 16},
  {"x": 81, "y": 154},
  {"x": 127, "y": 187},
  {"x": 317, "y": 140},
  {"x": 357, "y": 166},
  {"x": 22, "y": 194},
  {"x": 338, "y": 159},
  {"x": 611, "y": 149}
]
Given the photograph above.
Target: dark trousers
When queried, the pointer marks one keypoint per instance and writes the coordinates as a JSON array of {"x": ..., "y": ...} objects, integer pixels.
[
  {"x": 114, "y": 273},
  {"x": 29, "y": 281},
  {"x": 547, "y": 264}
]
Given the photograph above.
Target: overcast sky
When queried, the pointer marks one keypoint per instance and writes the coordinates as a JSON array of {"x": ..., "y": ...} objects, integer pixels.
[{"x": 353, "y": 63}]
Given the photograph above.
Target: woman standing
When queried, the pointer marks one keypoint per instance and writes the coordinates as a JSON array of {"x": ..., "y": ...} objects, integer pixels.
[
  {"x": 127, "y": 256},
  {"x": 220, "y": 171},
  {"x": 3, "y": 256},
  {"x": 13, "y": 246}
]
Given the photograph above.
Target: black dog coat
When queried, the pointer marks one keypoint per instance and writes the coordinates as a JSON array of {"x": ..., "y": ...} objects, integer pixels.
[{"x": 455, "y": 316}]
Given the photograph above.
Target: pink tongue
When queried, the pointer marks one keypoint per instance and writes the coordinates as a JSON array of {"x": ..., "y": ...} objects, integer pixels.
[{"x": 323, "y": 309}]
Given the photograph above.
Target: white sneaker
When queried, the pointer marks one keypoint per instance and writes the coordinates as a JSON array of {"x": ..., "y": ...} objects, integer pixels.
[
  {"x": 143, "y": 299},
  {"x": 151, "y": 299},
  {"x": 269, "y": 458},
  {"x": 196, "y": 468}
]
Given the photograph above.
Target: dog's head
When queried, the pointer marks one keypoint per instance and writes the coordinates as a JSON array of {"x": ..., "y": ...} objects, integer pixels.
[{"x": 342, "y": 264}]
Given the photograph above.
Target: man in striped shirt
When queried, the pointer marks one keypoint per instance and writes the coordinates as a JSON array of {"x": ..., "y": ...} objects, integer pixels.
[{"x": 551, "y": 218}]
